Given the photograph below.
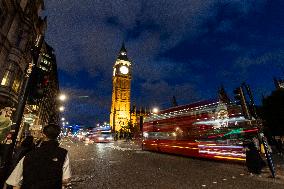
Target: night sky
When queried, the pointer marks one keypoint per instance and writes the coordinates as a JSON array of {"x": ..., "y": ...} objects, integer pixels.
[{"x": 186, "y": 48}]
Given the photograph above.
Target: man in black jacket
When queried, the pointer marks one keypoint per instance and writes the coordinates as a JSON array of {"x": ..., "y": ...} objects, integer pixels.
[{"x": 45, "y": 167}]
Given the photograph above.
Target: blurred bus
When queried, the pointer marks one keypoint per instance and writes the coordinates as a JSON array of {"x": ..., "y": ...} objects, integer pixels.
[{"x": 206, "y": 129}]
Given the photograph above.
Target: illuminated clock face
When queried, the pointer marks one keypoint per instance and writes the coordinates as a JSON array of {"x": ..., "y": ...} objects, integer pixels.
[{"x": 124, "y": 70}]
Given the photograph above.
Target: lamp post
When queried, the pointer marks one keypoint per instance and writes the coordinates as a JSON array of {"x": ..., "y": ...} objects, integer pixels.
[{"x": 62, "y": 97}]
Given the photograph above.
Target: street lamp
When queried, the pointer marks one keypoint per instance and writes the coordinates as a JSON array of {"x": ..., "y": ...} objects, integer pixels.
[
  {"x": 62, "y": 97},
  {"x": 61, "y": 108},
  {"x": 155, "y": 110}
]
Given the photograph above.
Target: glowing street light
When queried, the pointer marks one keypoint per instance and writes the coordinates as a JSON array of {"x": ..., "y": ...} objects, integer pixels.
[
  {"x": 63, "y": 119},
  {"x": 62, "y": 97},
  {"x": 61, "y": 108},
  {"x": 155, "y": 110}
]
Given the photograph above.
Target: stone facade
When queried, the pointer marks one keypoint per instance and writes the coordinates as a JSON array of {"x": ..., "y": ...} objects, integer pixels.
[
  {"x": 20, "y": 28},
  {"x": 20, "y": 25}
]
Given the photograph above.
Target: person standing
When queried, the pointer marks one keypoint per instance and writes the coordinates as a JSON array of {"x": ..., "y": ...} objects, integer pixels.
[
  {"x": 254, "y": 161},
  {"x": 45, "y": 167},
  {"x": 26, "y": 146}
]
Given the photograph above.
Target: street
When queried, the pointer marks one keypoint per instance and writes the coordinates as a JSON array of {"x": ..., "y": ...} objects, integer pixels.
[{"x": 124, "y": 165}]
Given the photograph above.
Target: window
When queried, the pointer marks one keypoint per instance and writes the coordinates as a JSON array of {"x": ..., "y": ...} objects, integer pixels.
[
  {"x": 6, "y": 78},
  {"x": 12, "y": 77},
  {"x": 17, "y": 82}
]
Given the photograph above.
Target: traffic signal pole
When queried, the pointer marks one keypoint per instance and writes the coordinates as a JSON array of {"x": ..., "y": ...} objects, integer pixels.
[
  {"x": 250, "y": 113},
  {"x": 29, "y": 76},
  {"x": 252, "y": 108}
]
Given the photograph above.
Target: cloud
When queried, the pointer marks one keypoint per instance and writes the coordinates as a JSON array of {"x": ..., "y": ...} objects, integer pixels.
[
  {"x": 154, "y": 92},
  {"x": 274, "y": 58},
  {"x": 87, "y": 36},
  {"x": 85, "y": 106}
]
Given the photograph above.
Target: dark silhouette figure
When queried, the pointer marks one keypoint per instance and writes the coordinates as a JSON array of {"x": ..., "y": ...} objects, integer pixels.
[
  {"x": 174, "y": 101},
  {"x": 27, "y": 145},
  {"x": 279, "y": 146},
  {"x": 254, "y": 161}
]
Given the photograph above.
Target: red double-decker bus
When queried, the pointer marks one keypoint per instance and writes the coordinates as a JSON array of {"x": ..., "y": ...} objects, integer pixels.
[{"x": 206, "y": 129}]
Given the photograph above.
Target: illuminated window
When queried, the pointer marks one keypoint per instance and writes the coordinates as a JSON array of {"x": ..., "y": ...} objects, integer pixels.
[
  {"x": 17, "y": 82},
  {"x": 12, "y": 77},
  {"x": 6, "y": 78}
]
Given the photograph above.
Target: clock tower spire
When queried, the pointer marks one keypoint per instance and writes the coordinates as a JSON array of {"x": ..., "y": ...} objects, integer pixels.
[{"x": 121, "y": 87}]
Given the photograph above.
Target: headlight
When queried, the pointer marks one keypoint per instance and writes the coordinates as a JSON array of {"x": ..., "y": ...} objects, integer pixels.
[
  {"x": 101, "y": 138},
  {"x": 145, "y": 134},
  {"x": 109, "y": 138}
]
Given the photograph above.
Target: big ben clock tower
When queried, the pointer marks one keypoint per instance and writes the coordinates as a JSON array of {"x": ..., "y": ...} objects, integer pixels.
[{"x": 121, "y": 83}]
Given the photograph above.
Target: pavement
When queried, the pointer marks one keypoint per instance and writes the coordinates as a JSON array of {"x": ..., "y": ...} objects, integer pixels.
[
  {"x": 278, "y": 159},
  {"x": 123, "y": 164}
]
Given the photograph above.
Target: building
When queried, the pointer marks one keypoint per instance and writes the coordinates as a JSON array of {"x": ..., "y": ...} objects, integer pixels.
[
  {"x": 121, "y": 87},
  {"x": 20, "y": 30},
  {"x": 20, "y": 25},
  {"x": 137, "y": 116},
  {"x": 43, "y": 105},
  {"x": 279, "y": 83}
]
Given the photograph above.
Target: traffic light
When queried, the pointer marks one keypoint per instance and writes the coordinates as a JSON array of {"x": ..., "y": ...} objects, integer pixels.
[
  {"x": 251, "y": 105},
  {"x": 38, "y": 83},
  {"x": 240, "y": 100}
]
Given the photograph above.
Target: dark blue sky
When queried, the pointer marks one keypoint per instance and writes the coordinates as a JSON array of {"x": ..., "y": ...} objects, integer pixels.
[{"x": 183, "y": 48}]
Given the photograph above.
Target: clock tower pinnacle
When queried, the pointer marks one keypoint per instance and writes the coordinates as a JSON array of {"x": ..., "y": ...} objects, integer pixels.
[{"x": 121, "y": 87}]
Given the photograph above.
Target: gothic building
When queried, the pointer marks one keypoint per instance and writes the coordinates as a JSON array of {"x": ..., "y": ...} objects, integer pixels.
[
  {"x": 279, "y": 83},
  {"x": 121, "y": 82},
  {"x": 20, "y": 25}
]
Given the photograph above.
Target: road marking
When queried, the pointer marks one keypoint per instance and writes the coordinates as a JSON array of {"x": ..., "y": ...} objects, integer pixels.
[
  {"x": 242, "y": 174},
  {"x": 214, "y": 182},
  {"x": 203, "y": 185},
  {"x": 233, "y": 177},
  {"x": 224, "y": 179}
]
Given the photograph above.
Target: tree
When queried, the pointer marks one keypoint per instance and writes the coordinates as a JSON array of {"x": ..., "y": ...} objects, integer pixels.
[{"x": 273, "y": 112}]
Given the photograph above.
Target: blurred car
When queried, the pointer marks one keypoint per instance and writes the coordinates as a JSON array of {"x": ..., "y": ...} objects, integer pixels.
[{"x": 99, "y": 138}]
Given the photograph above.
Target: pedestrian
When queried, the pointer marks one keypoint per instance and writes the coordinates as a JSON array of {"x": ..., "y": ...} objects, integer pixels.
[
  {"x": 46, "y": 167},
  {"x": 26, "y": 146},
  {"x": 279, "y": 146},
  {"x": 254, "y": 161}
]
